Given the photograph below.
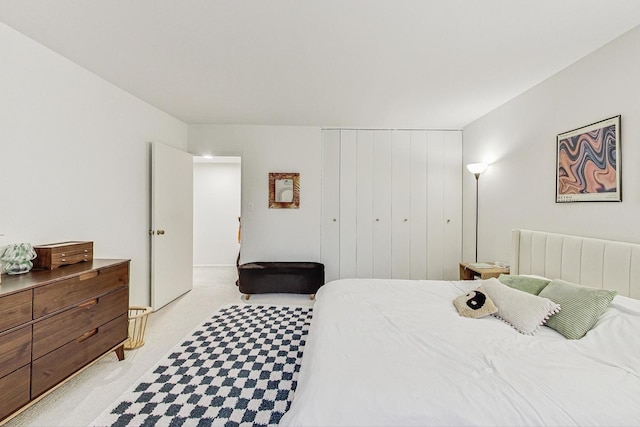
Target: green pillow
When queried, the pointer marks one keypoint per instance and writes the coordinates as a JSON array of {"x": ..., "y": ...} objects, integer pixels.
[
  {"x": 580, "y": 307},
  {"x": 528, "y": 284}
]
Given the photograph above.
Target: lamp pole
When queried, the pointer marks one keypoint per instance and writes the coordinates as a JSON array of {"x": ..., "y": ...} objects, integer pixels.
[
  {"x": 477, "y": 175},
  {"x": 477, "y": 169}
]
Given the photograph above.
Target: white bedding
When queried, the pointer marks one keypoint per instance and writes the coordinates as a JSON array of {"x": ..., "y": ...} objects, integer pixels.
[{"x": 395, "y": 352}]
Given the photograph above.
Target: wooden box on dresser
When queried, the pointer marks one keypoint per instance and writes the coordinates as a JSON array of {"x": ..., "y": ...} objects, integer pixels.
[{"x": 53, "y": 323}]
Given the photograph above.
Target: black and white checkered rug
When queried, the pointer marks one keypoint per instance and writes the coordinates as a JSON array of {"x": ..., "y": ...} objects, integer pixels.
[{"x": 238, "y": 368}]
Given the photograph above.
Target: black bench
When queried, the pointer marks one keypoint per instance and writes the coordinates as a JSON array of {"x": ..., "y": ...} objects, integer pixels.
[{"x": 280, "y": 277}]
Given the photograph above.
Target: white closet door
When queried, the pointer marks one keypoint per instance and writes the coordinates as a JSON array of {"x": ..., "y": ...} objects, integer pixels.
[
  {"x": 418, "y": 223},
  {"x": 452, "y": 203},
  {"x": 382, "y": 204},
  {"x": 364, "y": 202},
  {"x": 330, "y": 251},
  {"x": 348, "y": 204},
  {"x": 392, "y": 204},
  {"x": 435, "y": 209},
  {"x": 401, "y": 205}
]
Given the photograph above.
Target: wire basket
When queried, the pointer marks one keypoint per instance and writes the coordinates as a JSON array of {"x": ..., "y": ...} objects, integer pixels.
[{"x": 137, "y": 324}]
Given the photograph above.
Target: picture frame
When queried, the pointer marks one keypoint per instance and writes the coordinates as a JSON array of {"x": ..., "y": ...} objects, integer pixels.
[
  {"x": 588, "y": 163},
  {"x": 284, "y": 190}
]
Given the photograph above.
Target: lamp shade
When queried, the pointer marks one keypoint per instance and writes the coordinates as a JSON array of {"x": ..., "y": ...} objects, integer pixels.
[{"x": 477, "y": 168}]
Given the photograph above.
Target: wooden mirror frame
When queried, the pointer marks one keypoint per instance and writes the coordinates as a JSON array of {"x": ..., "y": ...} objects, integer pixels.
[{"x": 273, "y": 177}]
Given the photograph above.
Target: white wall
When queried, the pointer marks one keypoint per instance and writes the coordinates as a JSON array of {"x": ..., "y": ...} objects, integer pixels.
[
  {"x": 216, "y": 208},
  {"x": 271, "y": 234},
  {"x": 519, "y": 140},
  {"x": 74, "y": 157}
]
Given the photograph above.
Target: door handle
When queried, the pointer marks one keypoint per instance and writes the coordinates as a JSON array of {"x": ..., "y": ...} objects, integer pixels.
[{"x": 160, "y": 232}]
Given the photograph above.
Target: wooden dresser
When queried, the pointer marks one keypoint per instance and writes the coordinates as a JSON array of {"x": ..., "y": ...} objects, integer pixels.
[{"x": 55, "y": 322}]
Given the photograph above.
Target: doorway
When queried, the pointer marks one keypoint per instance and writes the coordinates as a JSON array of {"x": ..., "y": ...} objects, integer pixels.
[{"x": 216, "y": 210}]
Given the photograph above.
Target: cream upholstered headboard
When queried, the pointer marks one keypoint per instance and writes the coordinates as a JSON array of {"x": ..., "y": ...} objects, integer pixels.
[{"x": 590, "y": 262}]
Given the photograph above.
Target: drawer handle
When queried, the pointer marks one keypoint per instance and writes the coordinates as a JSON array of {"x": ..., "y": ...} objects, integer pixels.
[
  {"x": 88, "y": 304},
  {"x": 89, "y": 275},
  {"x": 87, "y": 335}
]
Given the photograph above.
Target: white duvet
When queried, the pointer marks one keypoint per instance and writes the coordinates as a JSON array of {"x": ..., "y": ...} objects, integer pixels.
[{"x": 395, "y": 352}]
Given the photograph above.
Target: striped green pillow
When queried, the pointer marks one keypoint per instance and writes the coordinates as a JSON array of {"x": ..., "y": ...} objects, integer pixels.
[
  {"x": 580, "y": 307},
  {"x": 532, "y": 285}
]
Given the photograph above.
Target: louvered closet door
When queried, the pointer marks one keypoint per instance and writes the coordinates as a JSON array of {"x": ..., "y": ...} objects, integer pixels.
[{"x": 330, "y": 250}]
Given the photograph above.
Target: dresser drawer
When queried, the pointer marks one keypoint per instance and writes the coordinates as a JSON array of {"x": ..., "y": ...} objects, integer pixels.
[
  {"x": 14, "y": 391},
  {"x": 15, "y": 350},
  {"x": 74, "y": 290},
  {"x": 71, "y": 324},
  {"x": 71, "y": 257},
  {"x": 15, "y": 309},
  {"x": 54, "y": 367}
]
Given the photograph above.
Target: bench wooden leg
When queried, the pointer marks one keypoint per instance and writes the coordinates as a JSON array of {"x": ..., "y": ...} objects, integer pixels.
[
  {"x": 312, "y": 296},
  {"x": 246, "y": 297}
]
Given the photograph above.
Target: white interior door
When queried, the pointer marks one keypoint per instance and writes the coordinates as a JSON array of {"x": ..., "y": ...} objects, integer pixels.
[{"x": 171, "y": 224}]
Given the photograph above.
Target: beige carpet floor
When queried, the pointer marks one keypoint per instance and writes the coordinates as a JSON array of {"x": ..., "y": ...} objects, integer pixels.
[{"x": 81, "y": 400}]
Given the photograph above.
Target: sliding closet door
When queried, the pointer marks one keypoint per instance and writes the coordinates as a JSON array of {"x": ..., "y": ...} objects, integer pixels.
[
  {"x": 382, "y": 177},
  {"x": 330, "y": 250}
]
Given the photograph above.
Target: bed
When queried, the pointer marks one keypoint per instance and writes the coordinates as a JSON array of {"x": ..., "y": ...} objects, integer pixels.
[{"x": 396, "y": 352}]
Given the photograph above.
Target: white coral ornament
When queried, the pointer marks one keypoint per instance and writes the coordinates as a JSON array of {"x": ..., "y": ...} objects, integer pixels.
[{"x": 16, "y": 258}]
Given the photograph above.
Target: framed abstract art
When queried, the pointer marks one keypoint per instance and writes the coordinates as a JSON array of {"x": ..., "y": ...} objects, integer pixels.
[
  {"x": 284, "y": 190},
  {"x": 588, "y": 163}
]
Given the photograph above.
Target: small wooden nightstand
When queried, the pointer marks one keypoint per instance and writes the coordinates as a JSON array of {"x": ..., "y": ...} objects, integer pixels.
[{"x": 470, "y": 273}]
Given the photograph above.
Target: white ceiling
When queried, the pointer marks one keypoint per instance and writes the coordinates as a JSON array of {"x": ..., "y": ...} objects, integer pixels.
[{"x": 378, "y": 63}]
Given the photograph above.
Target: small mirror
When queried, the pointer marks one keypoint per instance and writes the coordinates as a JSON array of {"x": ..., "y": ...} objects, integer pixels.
[{"x": 284, "y": 190}]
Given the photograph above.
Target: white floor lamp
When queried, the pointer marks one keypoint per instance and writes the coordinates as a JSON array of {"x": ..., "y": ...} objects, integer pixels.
[{"x": 477, "y": 169}]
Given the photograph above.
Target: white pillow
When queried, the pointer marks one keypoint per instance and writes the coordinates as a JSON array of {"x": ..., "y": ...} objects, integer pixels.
[{"x": 522, "y": 310}]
